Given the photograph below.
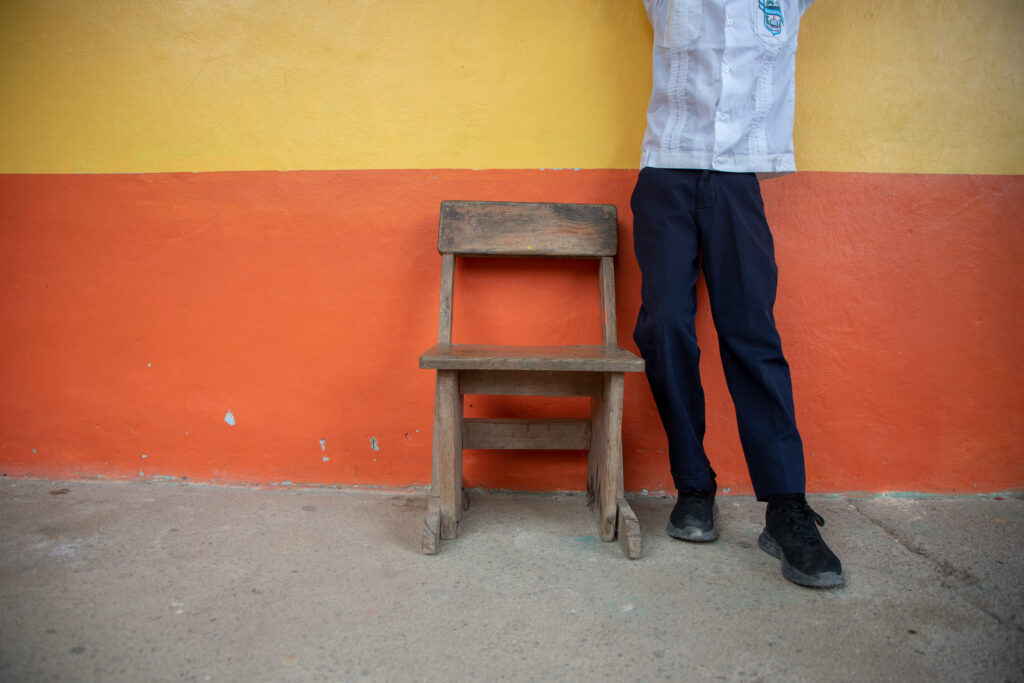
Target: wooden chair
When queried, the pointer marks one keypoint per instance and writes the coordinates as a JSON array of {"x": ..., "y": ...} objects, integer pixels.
[{"x": 530, "y": 230}]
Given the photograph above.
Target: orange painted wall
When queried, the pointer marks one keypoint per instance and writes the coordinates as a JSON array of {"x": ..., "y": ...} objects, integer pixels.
[{"x": 138, "y": 310}]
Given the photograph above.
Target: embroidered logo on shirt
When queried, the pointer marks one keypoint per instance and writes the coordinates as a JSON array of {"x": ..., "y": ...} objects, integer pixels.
[{"x": 772, "y": 15}]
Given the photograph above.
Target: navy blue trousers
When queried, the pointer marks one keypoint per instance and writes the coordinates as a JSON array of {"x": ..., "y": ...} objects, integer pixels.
[{"x": 685, "y": 221}]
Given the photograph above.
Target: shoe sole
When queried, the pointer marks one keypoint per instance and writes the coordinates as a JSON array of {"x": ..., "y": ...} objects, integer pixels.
[
  {"x": 823, "y": 580},
  {"x": 693, "y": 534}
]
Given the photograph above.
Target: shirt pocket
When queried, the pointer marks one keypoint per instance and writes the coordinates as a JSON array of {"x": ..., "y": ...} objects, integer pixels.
[
  {"x": 771, "y": 20},
  {"x": 683, "y": 24}
]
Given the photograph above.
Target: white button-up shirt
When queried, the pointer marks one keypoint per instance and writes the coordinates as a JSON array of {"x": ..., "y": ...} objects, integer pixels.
[{"x": 723, "y": 85}]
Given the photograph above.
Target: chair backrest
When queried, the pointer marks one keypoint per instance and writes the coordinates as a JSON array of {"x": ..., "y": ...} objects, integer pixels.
[
  {"x": 523, "y": 229},
  {"x": 588, "y": 231}
]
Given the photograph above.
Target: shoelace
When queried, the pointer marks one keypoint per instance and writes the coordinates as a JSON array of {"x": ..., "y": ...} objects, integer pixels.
[{"x": 801, "y": 518}]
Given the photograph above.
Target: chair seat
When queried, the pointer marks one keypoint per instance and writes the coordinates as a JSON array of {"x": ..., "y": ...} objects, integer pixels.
[{"x": 596, "y": 358}]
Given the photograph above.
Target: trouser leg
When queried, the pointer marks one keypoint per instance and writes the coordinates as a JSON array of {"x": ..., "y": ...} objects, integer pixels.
[
  {"x": 741, "y": 275},
  {"x": 667, "y": 246}
]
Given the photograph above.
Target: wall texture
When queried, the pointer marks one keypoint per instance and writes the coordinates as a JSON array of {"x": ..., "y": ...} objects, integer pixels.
[{"x": 218, "y": 225}]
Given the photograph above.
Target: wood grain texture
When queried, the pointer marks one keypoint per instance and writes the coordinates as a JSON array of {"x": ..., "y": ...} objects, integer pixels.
[
  {"x": 431, "y": 528},
  {"x": 448, "y": 428},
  {"x": 605, "y": 459},
  {"x": 527, "y": 383},
  {"x": 597, "y": 468},
  {"x": 444, "y": 318},
  {"x": 596, "y": 459},
  {"x": 559, "y": 358},
  {"x": 527, "y": 229},
  {"x": 608, "y": 319},
  {"x": 630, "y": 538},
  {"x": 526, "y": 433}
]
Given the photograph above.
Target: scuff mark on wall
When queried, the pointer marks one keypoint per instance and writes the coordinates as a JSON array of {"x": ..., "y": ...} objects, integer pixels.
[
  {"x": 230, "y": 418},
  {"x": 374, "y": 444}
]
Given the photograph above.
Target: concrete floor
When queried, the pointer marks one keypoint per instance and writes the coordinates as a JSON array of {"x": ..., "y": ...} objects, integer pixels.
[{"x": 137, "y": 581}]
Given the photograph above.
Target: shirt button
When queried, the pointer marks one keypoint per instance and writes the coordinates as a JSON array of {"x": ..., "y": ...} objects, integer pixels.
[
  {"x": 725, "y": 68},
  {"x": 729, "y": 21}
]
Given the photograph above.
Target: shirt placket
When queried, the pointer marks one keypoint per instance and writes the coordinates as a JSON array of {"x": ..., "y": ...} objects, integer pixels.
[{"x": 728, "y": 89}]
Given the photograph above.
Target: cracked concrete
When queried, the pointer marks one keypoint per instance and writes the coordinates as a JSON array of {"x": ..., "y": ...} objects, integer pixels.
[
  {"x": 128, "y": 581},
  {"x": 978, "y": 554}
]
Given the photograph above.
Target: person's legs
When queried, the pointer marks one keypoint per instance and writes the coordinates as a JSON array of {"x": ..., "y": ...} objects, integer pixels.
[
  {"x": 739, "y": 267},
  {"x": 667, "y": 249},
  {"x": 741, "y": 275}
]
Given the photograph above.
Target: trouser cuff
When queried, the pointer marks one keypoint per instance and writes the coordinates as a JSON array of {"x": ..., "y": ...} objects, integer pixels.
[{"x": 695, "y": 483}]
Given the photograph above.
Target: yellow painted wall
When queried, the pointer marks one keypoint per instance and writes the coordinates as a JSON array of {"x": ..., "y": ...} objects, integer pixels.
[
  {"x": 200, "y": 85},
  {"x": 911, "y": 86}
]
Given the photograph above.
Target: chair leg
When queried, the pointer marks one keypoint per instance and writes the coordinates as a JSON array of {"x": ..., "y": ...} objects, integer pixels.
[
  {"x": 605, "y": 460},
  {"x": 444, "y": 506},
  {"x": 432, "y": 527},
  {"x": 629, "y": 530},
  {"x": 448, "y": 442}
]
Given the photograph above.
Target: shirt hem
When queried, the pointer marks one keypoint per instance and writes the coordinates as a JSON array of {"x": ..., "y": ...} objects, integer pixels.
[{"x": 767, "y": 166}]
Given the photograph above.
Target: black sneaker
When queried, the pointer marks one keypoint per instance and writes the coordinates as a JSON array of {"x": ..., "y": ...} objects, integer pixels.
[
  {"x": 791, "y": 534},
  {"x": 693, "y": 517}
]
